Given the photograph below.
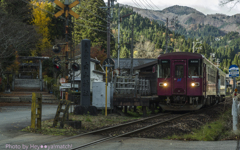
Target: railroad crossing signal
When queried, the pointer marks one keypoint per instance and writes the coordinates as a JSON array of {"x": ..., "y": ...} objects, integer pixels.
[
  {"x": 56, "y": 48},
  {"x": 75, "y": 67},
  {"x": 109, "y": 62},
  {"x": 57, "y": 66},
  {"x": 66, "y": 8}
]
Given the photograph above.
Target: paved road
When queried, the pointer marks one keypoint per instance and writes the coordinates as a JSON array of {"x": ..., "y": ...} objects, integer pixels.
[{"x": 15, "y": 118}]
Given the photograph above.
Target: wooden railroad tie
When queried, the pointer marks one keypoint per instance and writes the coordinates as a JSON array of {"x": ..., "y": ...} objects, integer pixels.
[{"x": 65, "y": 113}]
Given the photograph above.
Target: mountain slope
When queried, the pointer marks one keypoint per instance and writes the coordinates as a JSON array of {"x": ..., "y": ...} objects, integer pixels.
[{"x": 188, "y": 16}]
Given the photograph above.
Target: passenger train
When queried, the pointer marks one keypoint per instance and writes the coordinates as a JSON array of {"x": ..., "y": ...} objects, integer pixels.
[{"x": 188, "y": 81}]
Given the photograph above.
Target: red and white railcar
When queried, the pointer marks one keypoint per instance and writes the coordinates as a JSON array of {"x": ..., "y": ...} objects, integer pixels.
[{"x": 188, "y": 81}]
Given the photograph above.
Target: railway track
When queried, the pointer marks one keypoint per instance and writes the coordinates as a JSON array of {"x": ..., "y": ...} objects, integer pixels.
[
  {"x": 109, "y": 128},
  {"x": 128, "y": 133},
  {"x": 149, "y": 125}
]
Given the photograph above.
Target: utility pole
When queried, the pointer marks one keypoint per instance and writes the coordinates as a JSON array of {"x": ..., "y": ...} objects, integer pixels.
[
  {"x": 118, "y": 36},
  {"x": 108, "y": 30},
  {"x": 132, "y": 46},
  {"x": 167, "y": 37}
]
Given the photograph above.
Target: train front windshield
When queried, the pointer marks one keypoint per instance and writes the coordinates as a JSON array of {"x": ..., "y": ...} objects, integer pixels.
[
  {"x": 194, "y": 68},
  {"x": 164, "y": 68}
]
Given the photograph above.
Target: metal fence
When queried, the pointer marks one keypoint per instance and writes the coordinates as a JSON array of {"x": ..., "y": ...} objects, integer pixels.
[{"x": 125, "y": 85}]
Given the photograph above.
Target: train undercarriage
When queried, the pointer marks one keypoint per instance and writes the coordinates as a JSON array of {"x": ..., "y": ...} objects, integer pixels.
[{"x": 187, "y": 103}]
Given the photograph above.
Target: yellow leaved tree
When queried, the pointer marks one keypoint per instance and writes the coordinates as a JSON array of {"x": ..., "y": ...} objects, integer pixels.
[
  {"x": 14, "y": 67},
  {"x": 42, "y": 21}
]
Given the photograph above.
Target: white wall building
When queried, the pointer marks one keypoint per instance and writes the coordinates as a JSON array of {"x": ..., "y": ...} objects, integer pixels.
[{"x": 95, "y": 75}]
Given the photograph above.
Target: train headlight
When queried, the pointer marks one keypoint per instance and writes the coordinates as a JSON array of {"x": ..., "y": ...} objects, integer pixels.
[
  {"x": 194, "y": 84},
  {"x": 164, "y": 84}
]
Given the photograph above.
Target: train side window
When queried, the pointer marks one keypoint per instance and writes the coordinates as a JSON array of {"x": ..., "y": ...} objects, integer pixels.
[
  {"x": 222, "y": 80},
  {"x": 179, "y": 71},
  {"x": 194, "y": 68},
  {"x": 164, "y": 69}
]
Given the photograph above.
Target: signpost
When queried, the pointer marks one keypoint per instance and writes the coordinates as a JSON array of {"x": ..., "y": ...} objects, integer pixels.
[
  {"x": 234, "y": 72},
  {"x": 62, "y": 80}
]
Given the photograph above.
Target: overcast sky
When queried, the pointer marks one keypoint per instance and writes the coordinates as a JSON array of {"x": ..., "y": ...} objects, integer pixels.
[{"x": 204, "y": 6}]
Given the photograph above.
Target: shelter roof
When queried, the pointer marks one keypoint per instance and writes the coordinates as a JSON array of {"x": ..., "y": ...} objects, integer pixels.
[
  {"x": 91, "y": 59},
  {"x": 125, "y": 63}
]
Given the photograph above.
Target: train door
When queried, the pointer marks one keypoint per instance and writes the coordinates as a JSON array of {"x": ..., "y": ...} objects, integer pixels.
[
  {"x": 204, "y": 79},
  {"x": 179, "y": 77}
]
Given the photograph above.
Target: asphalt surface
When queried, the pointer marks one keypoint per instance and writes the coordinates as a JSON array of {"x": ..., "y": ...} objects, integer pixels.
[{"x": 15, "y": 118}]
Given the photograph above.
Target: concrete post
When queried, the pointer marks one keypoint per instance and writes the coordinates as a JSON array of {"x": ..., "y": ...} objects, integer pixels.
[
  {"x": 235, "y": 113},
  {"x": 40, "y": 75}
]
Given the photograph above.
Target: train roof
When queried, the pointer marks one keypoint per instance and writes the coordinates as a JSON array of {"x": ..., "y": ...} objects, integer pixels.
[{"x": 179, "y": 55}]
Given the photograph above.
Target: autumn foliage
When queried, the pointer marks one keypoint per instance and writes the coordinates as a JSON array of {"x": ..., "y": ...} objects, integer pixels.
[
  {"x": 42, "y": 20},
  {"x": 14, "y": 67},
  {"x": 96, "y": 52}
]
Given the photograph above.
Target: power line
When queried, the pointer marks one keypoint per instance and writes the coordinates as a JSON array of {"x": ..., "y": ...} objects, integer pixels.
[
  {"x": 148, "y": 4},
  {"x": 143, "y": 4},
  {"x": 154, "y": 5},
  {"x": 136, "y": 3}
]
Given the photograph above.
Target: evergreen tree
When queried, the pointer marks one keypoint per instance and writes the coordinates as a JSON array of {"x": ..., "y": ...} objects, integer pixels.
[{"x": 97, "y": 38}]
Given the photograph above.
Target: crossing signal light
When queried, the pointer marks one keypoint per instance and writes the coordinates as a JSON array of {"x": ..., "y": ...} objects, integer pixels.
[
  {"x": 56, "y": 49},
  {"x": 57, "y": 66},
  {"x": 75, "y": 67}
]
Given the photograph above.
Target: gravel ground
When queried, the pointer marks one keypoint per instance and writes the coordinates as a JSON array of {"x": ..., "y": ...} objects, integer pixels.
[{"x": 178, "y": 127}]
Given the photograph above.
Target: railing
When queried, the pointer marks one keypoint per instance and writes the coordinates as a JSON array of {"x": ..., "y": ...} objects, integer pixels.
[{"x": 124, "y": 85}]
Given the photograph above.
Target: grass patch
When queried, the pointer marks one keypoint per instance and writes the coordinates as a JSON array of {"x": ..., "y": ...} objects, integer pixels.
[
  {"x": 89, "y": 123},
  {"x": 212, "y": 131}
]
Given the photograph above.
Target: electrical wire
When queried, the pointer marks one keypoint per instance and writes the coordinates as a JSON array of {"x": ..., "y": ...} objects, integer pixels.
[
  {"x": 154, "y": 5},
  {"x": 148, "y": 4},
  {"x": 136, "y": 3},
  {"x": 143, "y": 4}
]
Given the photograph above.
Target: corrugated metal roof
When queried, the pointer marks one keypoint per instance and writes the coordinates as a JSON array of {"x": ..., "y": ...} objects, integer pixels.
[
  {"x": 125, "y": 63},
  {"x": 91, "y": 59}
]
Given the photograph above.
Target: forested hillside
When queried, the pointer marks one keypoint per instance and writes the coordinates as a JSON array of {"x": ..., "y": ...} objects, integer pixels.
[
  {"x": 149, "y": 35},
  {"x": 150, "y": 40}
]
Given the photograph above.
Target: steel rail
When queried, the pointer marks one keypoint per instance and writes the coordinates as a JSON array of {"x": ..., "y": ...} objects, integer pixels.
[
  {"x": 108, "y": 128},
  {"x": 131, "y": 132},
  {"x": 140, "y": 129}
]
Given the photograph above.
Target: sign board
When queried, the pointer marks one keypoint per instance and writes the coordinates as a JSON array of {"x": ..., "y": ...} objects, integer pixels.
[
  {"x": 233, "y": 71},
  {"x": 60, "y": 4},
  {"x": 109, "y": 62},
  {"x": 68, "y": 86},
  {"x": 65, "y": 86},
  {"x": 62, "y": 80}
]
